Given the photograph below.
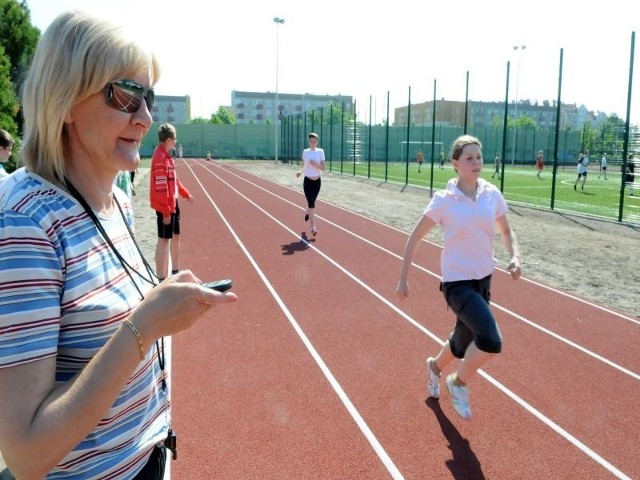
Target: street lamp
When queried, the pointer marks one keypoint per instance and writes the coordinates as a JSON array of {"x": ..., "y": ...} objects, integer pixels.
[
  {"x": 515, "y": 118},
  {"x": 278, "y": 21}
]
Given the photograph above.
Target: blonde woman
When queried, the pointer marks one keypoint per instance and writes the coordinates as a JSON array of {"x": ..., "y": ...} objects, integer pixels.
[{"x": 84, "y": 388}]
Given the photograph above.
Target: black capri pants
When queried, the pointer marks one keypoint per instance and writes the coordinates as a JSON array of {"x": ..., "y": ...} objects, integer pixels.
[
  {"x": 311, "y": 190},
  {"x": 469, "y": 300}
]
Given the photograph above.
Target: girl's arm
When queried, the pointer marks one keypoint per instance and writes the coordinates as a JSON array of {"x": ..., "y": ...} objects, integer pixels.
[
  {"x": 424, "y": 226},
  {"x": 511, "y": 244}
]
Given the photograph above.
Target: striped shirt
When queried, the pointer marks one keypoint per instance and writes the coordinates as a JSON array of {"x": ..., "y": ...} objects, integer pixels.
[{"x": 63, "y": 293}]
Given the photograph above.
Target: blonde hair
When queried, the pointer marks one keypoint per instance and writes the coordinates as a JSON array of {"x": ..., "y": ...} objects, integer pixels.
[{"x": 75, "y": 58}]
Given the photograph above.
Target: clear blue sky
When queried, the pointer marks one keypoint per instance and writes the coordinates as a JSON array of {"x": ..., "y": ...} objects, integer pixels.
[{"x": 208, "y": 49}]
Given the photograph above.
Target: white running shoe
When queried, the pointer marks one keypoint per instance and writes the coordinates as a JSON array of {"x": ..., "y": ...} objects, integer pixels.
[
  {"x": 433, "y": 382},
  {"x": 459, "y": 398}
]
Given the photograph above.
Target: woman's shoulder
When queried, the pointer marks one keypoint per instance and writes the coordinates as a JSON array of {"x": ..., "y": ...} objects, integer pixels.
[{"x": 36, "y": 197}]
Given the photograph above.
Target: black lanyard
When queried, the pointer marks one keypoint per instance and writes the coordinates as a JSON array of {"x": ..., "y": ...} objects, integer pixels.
[{"x": 152, "y": 278}]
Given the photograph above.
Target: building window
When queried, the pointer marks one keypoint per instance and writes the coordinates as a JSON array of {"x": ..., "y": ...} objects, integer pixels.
[{"x": 259, "y": 116}]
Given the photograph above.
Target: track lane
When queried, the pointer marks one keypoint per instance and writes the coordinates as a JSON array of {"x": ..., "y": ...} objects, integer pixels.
[{"x": 303, "y": 270}]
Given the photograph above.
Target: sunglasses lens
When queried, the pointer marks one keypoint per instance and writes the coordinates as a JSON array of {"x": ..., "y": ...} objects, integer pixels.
[
  {"x": 150, "y": 99},
  {"x": 127, "y": 96}
]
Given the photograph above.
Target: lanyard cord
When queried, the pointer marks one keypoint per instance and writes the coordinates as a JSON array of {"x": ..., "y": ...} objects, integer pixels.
[{"x": 125, "y": 265}]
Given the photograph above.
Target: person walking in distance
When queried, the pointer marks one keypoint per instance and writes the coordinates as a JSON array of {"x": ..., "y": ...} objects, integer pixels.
[
  {"x": 165, "y": 187},
  {"x": 419, "y": 159},
  {"x": 540, "y": 163},
  {"x": 603, "y": 166},
  {"x": 468, "y": 210},
  {"x": 630, "y": 174},
  {"x": 497, "y": 164},
  {"x": 312, "y": 167},
  {"x": 583, "y": 164}
]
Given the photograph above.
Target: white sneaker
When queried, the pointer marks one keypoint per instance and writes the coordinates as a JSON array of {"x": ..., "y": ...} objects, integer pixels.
[
  {"x": 459, "y": 398},
  {"x": 433, "y": 382}
]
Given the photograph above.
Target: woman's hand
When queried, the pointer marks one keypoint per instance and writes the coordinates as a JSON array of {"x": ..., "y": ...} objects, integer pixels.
[{"x": 175, "y": 305}]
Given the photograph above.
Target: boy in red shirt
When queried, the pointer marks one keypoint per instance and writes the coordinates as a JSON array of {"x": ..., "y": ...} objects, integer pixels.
[{"x": 163, "y": 192}]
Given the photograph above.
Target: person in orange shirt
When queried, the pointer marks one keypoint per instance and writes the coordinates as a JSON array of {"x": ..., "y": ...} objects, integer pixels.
[
  {"x": 420, "y": 159},
  {"x": 163, "y": 192},
  {"x": 540, "y": 163}
]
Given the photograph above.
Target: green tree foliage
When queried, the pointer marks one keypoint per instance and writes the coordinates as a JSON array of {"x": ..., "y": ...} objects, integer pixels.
[
  {"x": 18, "y": 40},
  {"x": 18, "y": 37},
  {"x": 9, "y": 105},
  {"x": 332, "y": 112},
  {"x": 223, "y": 117}
]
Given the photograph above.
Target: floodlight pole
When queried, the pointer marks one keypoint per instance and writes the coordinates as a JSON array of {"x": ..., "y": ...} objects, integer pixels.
[
  {"x": 278, "y": 21},
  {"x": 515, "y": 118}
]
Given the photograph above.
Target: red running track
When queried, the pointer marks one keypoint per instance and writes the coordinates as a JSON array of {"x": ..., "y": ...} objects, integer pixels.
[{"x": 317, "y": 371}]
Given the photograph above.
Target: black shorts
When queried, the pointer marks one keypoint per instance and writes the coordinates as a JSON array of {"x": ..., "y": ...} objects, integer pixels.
[
  {"x": 154, "y": 468},
  {"x": 173, "y": 228},
  {"x": 469, "y": 300},
  {"x": 311, "y": 190}
]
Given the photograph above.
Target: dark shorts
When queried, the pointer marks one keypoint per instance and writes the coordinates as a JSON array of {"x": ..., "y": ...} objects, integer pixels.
[
  {"x": 154, "y": 468},
  {"x": 168, "y": 231},
  {"x": 469, "y": 300},
  {"x": 582, "y": 175},
  {"x": 311, "y": 190}
]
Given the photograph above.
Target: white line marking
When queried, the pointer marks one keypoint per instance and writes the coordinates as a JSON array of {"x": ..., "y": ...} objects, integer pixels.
[
  {"x": 520, "y": 401},
  {"x": 362, "y": 425}
]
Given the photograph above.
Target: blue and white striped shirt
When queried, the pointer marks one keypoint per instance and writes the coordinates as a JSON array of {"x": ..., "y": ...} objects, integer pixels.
[{"x": 63, "y": 293}]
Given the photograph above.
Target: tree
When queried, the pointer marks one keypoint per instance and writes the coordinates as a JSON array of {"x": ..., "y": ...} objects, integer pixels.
[
  {"x": 326, "y": 115},
  {"x": 223, "y": 117},
  {"x": 18, "y": 41},
  {"x": 9, "y": 104}
]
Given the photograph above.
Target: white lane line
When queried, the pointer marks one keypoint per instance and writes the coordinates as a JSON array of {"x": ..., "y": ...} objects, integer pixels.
[
  {"x": 520, "y": 401},
  {"x": 513, "y": 314},
  {"x": 360, "y": 422}
]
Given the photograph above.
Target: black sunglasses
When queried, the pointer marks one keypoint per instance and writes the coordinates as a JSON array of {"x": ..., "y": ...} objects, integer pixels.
[{"x": 127, "y": 96}]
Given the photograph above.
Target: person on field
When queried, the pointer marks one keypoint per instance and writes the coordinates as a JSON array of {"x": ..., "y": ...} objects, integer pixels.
[
  {"x": 583, "y": 164},
  {"x": 497, "y": 163},
  {"x": 313, "y": 165},
  {"x": 630, "y": 174},
  {"x": 540, "y": 163},
  {"x": 468, "y": 210},
  {"x": 419, "y": 159},
  {"x": 603, "y": 166}
]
